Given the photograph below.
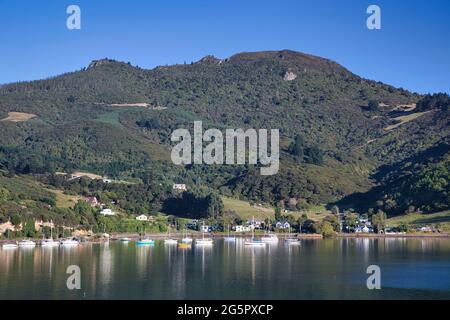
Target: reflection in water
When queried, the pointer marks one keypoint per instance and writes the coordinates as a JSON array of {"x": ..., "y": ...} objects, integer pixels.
[{"x": 320, "y": 269}]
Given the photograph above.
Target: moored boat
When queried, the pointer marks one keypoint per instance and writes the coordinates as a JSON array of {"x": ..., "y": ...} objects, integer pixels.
[
  {"x": 49, "y": 243},
  {"x": 69, "y": 242},
  {"x": 271, "y": 238},
  {"x": 10, "y": 246},
  {"x": 27, "y": 243},
  {"x": 145, "y": 241}
]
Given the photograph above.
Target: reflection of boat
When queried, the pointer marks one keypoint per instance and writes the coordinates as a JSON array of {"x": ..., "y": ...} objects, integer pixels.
[
  {"x": 186, "y": 240},
  {"x": 27, "y": 243},
  {"x": 184, "y": 246},
  {"x": 69, "y": 242},
  {"x": 10, "y": 246},
  {"x": 145, "y": 241},
  {"x": 229, "y": 238}
]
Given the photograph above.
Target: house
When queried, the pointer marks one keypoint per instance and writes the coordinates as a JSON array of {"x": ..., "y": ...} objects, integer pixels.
[
  {"x": 107, "y": 212},
  {"x": 282, "y": 225},
  {"x": 142, "y": 217},
  {"x": 243, "y": 228},
  {"x": 179, "y": 187},
  {"x": 205, "y": 228},
  {"x": 92, "y": 201},
  {"x": 426, "y": 229},
  {"x": 255, "y": 224}
]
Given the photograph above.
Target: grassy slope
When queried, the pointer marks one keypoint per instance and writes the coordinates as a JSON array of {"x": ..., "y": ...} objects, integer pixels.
[
  {"x": 416, "y": 220},
  {"x": 246, "y": 211}
]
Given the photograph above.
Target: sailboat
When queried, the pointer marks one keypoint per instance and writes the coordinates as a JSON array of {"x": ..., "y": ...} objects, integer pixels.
[
  {"x": 253, "y": 242},
  {"x": 169, "y": 240},
  {"x": 204, "y": 241},
  {"x": 27, "y": 243},
  {"x": 50, "y": 242},
  {"x": 9, "y": 245},
  {"x": 229, "y": 238},
  {"x": 186, "y": 239},
  {"x": 292, "y": 241},
  {"x": 270, "y": 238},
  {"x": 143, "y": 241}
]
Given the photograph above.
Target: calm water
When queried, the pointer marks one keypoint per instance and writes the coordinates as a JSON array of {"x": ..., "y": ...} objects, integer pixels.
[{"x": 318, "y": 269}]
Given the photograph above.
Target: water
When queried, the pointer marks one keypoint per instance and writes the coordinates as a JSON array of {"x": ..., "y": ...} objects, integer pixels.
[{"x": 317, "y": 269}]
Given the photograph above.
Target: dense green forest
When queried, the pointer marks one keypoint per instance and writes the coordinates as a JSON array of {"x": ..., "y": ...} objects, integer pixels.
[{"x": 344, "y": 139}]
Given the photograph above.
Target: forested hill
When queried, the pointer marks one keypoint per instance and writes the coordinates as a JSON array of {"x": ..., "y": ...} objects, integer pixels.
[{"x": 338, "y": 130}]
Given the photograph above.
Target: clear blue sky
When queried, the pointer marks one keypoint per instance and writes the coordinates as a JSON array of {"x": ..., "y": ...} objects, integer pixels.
[{"x": 412, "y": 50}]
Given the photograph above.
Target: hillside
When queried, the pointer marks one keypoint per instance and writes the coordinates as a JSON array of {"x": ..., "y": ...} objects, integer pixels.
[{"x": 115, "y": 120}]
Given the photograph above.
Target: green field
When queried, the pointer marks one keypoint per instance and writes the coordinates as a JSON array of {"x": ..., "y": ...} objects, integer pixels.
[
  {"x": 246, "y": 211},
  {"x": 416, "y": 220}
]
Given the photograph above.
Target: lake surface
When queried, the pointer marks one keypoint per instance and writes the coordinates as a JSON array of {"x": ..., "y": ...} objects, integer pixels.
[{"x": 317, "y": 269}]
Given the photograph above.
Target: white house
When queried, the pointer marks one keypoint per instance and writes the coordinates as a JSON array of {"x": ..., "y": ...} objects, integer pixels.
[
  {"x": 282, "y": 225},
  {"x": 242, "y": 228},
  {"x": 142, "y": 217},
  {"x": 107, "y": 212},
  {"x": 180, "y": 187},
  {"x": 205, "y": 228}
]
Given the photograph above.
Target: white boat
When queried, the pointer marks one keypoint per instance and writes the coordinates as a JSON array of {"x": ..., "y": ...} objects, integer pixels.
[
  {"x": 170, "y": 241},
  {"x": 49, "y": 243},
  {"x": 229, "y": 238},
  {"x": 125, "y": 239},
  {"x": 271, "y": 238},
  {"x": 10, "y": 246},
  {"x": 292, "y": 241},
  {"x": 27, "y": 243},
  {"x": 203, "y": 241},
  {"x": 69, "y": 242},
  {"x": 186, "y": 240},
  {"x": 253, "y": 242}
]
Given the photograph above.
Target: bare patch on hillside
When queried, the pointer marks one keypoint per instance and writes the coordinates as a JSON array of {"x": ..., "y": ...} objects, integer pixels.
[
  {"x": 405, "y": 119},
  {"x": 19, "y": 116},
  {"x": 139, "y": 104}
]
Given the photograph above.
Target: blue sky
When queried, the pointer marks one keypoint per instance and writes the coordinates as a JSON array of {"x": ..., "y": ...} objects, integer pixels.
[{"x": 412, "y": 50}]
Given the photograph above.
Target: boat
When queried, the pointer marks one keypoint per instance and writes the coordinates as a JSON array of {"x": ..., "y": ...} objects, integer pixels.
[
  {"x": 270, "y": 238},
  {"x": 125, "y": 239},
  {"x": 145, "y": 241},
  {"x": 292, "y": 241},
  {"x": 169, "y": 240},
  {"x": 26, "y": 243},
  {"x": 203, "y": 241},
  {"x": 229, "y": 238},
  {"x": 69, "y": 242},
  {"x": 253, "y": 242},
  {"x": 10, "y": 246},
  {"x": 186, "y": 240},
  {"x": 49, "y": 243}
]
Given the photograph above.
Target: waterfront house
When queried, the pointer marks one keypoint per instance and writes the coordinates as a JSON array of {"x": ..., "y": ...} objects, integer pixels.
[
  {"x": 282, "y": 225},
  {"x": 107, "y": 212},
  {"x": 205, "y": 228},
  {"x": 243, "y": 228},
  {"x": 142, "y": 217}
]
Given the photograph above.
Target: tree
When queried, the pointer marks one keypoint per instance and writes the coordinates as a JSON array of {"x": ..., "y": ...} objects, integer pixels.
[
  {"x": 277, "y": 213},
  {"x": 4, "y": 195},
  {"x": 314, "y": 155},
  {"x": 373, "y": 105},
  {"x": 379, "y": 221},
  {"x": 297, "y": 147},
  {"x": 335, "y": 210},
  {"x": 351, "y": 220},
  {"x": 325, "y": 228}
]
